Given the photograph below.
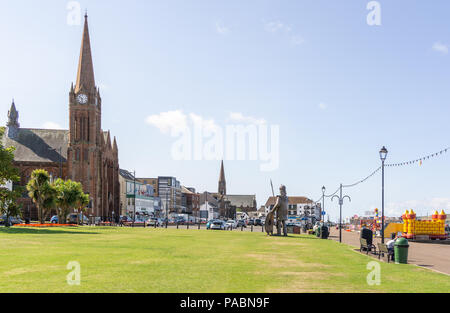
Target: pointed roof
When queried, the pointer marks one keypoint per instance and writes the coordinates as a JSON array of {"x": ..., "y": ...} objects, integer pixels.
[
  {"x": 13, "y": 116},
  {"x": 222, "y": 173},
  {"x": 108, "y": 140},
  {"x": 115, "y": 149},
  {"x": 85, "y": 75}
]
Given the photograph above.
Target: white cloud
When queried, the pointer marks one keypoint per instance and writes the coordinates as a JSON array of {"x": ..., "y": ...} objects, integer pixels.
[
  {"x": 174, "y": 122},
  {"x": 209, "y": 125},
  {"x": 297, "y": 40},
  {"x": 222, "y": 29},
  {"x": 440, "y": 47},
  {"x": 239, "y": 117},
  {"x": 103, "y": 86},
  {"x": 322, "y": 106},
  {"x": 51, "y": 125},
  {"x": 166, "y": 122},
  {"x": 275, "y": 26}
]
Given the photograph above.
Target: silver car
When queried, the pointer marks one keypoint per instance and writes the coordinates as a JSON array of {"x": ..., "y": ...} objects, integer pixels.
[{"x": 218, "y": 225}]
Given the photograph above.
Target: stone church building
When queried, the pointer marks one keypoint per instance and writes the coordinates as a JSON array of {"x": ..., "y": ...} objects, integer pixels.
[
  {"x": 227, "y": 206},
  {"x": 84, "y": 153}
]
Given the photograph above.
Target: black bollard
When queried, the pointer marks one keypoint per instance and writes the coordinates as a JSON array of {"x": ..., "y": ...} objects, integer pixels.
[
  {"x": 198, "y": 225},
  {"x": 187, "y": 225},
  {"x": 252, "y": 228},
  {"x": 177, "y": 225},
  {"x": 262, "y": 228},
  {"x": 242, "y": 228}
]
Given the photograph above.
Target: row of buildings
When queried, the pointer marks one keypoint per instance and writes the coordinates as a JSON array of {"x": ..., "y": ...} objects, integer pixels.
[
  {"x": 165, "y": 196},
  {"x": 90, "y": 155}
]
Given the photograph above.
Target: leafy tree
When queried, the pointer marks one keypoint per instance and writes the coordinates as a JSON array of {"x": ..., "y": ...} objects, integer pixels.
[
  {"x": 42, "y": 192},
  {"x": 67, "y": 195},
  {"x": 8, "y": 173},
  {"x": 82, "y": 200},
  {"x": 8, "y": 203}
]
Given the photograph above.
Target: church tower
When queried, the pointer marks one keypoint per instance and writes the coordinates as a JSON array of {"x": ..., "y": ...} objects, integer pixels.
[
  {"x": 222, "y": 183},
  {"x": 13, "y": 121},
  {"x": 85, "y": 134}
]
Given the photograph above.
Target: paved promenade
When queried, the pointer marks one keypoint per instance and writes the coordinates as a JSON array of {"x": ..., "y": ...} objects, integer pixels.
[{"x": 430, "y": 255}]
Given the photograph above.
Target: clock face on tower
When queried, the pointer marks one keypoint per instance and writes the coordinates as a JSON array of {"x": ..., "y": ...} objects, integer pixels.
[{"x": 82, "y": 98}]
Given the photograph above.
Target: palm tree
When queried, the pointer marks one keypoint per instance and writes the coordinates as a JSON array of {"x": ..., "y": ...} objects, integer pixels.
[
  {"x": 42, "y": 192},
  {"x": 66, "y": 197}
]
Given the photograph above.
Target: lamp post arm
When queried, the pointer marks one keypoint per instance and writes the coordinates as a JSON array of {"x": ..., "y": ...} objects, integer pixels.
[{"x": 334, "y": 196}]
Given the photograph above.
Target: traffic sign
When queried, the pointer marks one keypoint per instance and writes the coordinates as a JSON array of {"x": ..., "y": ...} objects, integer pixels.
[{"x": 324, "y": 213}]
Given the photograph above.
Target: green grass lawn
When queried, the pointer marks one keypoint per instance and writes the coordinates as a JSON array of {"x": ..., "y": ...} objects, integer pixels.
[{"x": 171, "y": 260}]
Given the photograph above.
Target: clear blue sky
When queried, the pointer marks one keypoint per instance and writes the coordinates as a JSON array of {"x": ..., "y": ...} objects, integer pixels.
[{"x": 338, "y": 88}]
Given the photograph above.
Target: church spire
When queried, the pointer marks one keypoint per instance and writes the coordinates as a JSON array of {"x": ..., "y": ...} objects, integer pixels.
[
  {"x": 115, "y": 149},
  {"x": 222, "y": 182},
  {"x": 85, "y": 75},
  {"x": 13, "y": 116},
  {"x": 13, "y": 121}
]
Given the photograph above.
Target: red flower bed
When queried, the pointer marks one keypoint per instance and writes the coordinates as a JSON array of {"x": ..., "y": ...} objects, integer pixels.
[{"x": 45, "y": 225}]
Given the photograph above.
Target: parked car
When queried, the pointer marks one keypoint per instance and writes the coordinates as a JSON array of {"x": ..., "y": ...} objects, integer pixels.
[
  {"x": 208, "y": 224},
  {"x": 54, "y": 219},
  {"x": 180, "y": 221},
  {"x": 12, "y": 220},
  {"x": 154, "y": 221},
  {"x": 258, "y": 222},
  {"x": 218, "y": 224},
  {"x": 231, "y": 224},
  {"x": 72, "y": 218},
  {"x": 241, "y": 223},
  {"x": 251, "y": 222},
  {"x": 125, "y": 219}
]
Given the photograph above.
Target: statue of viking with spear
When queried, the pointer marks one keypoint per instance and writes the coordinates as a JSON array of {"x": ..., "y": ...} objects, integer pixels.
[{"x": 281, "y": 210}]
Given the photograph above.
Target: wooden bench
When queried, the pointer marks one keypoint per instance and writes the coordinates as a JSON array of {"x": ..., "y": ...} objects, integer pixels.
[
  {"x": 382, "y": 250},
  {"x": 365, "y": 245}
]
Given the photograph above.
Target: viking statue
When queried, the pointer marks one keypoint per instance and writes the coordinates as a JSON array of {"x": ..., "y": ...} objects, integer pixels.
[{"x": 280, "y": 211}]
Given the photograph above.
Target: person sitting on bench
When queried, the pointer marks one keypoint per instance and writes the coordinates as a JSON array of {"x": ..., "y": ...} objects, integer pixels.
[{"x": 390, "y": 246}]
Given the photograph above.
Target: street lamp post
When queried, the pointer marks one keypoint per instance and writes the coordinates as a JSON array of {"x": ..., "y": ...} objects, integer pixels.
[
  {"x": 323, "y": 203},
  {"x": 341, "y": 202},
  {"x": 134, "y": 199},
  {"x": 167, "y": 203},
  {"x": 323, "y": 210},
  {"x": 383, "y": 155}
]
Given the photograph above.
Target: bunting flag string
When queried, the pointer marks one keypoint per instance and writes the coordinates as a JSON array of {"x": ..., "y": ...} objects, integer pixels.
[
  {"x": 420, "y": 160},
  {"x": 362, "y": 180},
  {"x": 327, "y": 196}
]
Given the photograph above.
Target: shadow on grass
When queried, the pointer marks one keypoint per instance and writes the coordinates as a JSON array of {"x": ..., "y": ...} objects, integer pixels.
[
  {"x": 299, "y": 237},
  {"x": 23, "y": 230}
]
